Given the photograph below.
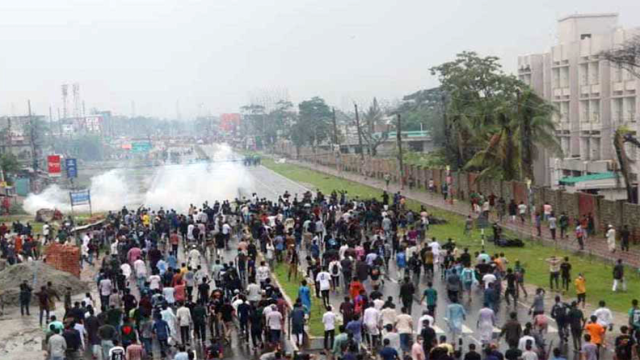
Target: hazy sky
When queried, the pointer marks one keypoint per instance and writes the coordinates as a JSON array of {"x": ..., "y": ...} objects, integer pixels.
[{"x": 211, "y": 55}]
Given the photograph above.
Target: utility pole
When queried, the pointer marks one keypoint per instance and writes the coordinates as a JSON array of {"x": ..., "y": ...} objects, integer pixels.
[
  {"x": 400, "y": 154},
  {"x": 359, "y": 133},
  {"x": 32, "y": 135},
  {"x": 335, "y": 128}
]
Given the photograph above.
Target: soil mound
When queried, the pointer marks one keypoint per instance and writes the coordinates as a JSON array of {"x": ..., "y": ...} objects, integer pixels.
[{"x": 13, "y": 275}]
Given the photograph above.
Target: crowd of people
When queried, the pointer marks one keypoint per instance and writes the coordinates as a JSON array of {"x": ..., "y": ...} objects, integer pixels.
[{"x": 199, "y": 282}]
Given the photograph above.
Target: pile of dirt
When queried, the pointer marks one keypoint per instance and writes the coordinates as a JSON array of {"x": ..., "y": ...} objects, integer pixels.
[{"x": 12, "y": 276}]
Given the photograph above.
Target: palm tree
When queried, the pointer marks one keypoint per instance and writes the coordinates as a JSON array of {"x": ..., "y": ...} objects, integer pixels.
[
  {"x": 499, "y": 159},
  {"x": 511, "y": 145},
  {"x": 537, "y": 128}
]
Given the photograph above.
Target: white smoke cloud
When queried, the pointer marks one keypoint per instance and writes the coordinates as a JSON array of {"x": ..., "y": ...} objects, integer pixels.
[
  {"x": 109, "y": 191},
  {"x": 170, "y": 186}
]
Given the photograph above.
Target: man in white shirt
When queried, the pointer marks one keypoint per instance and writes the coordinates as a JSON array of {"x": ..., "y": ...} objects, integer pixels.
[
  {"x": 604, "y": 315},
  {"x": 141, "y": 271},
  {"x": 324, "y": 279},
  {"x": 262, "y": 273},
  {"x": 114, "y": 248},
  {"x": 404, "y": 326},
  {"x": 388, "y": 316},
  {"x": 488, "y": 279},
  {"x": 190, "y": 228},
  {"x": 274, "y": 323},
  {"x": 184, "y": 321},
  {"x": 154, "y": 281},
  {"x": 105, "y": 286},
  {"x": 371, "y": 321},
  {"x": 425, "y": 316},
  {"x": 329, "y": 321},
  {"x": 253, "y": 292},
  {"x": 195, "y": 258}
]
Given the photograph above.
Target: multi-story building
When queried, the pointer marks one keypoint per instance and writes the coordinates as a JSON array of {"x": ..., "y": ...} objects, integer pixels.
[{"x": 593, "y": 97}]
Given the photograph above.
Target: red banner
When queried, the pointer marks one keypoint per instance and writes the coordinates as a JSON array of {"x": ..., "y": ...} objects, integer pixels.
[{"x": 54, "y": 165}]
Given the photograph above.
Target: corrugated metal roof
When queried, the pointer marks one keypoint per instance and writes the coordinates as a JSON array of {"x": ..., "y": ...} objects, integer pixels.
[{"x": 598, "y": 176}]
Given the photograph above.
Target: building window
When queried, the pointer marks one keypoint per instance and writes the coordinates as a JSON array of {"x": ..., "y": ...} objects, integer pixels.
[
  {"x": 630, "y": 108},
  {"x": 616, "y": 75},
  {"x": 556, "y": 77},
  {"x": 584, "y": 74},
  {"x": 564, "y": 77},
  {"x": 594, "y": 73},
  {"x": 594, "y": 107},
  {"x": 595, "y": 148},
  {"x": 585, "y": 36},
  {"x": 584, "y": 111}
]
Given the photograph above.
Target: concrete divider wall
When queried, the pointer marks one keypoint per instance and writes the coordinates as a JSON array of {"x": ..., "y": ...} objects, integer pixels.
[{"x": 574, "y": 205}]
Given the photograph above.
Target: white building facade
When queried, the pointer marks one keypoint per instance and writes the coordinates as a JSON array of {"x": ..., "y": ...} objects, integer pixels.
[{"x": 593, "y": 98}]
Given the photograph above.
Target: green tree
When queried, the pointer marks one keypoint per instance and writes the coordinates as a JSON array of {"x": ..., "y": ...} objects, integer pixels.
[
  {"x": 254, "y": 121},
  {"x": 313, "y": 124},
  {"x": 279, "y": 120},
  {"x": 9, "y": 163},
  {"x": 476, "y": 86},
  {"x": 511, "y": 147},
  {"x": 537, "y": 128},
  {"x": 373, "y": 117},
  {"x": 424, "y": 110}
]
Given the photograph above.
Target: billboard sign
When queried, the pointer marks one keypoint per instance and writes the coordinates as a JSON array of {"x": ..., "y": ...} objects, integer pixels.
[
  {"x": 80, "y": 197},
  {"x": 229, "y": 122},
  {"x": 141, "y": 146},
  {"x": 54, "y": 166},
  {"x": 72, "y": 168}
]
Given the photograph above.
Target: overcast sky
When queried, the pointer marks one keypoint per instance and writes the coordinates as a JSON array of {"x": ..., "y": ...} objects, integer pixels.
[{"x": 212, "y": 55}]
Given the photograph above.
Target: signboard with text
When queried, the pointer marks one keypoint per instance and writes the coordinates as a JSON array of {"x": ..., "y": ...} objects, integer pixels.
[
  {"x": 80, "y": 197},
  {"x": 54, "y": 166},
  {"x": 141, "y": 146},
  {"x": 72, "y": 168}
]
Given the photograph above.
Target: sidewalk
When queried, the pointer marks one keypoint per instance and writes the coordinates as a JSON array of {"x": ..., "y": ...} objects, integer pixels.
[{"x": 594, "y": 246}]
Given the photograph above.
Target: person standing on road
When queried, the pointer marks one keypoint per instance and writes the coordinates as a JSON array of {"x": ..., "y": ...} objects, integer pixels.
[
  {"x": 625, "y": 235},
  {"x": 485, "y": 324},
  {"x": 324, "y": 280},
  {"x": 618, "y": 276},
  {"x": 25, "y": 298},
  {"x": 565, "y": 273},
  {"x": 554, "y": 271},
  {"x": 553, "y": 224},
  {"x": 581, "y": 289},
  {"x": 559, "y": 312},
  {"x": 576, "y": 320},
  {"x": 611, "y": 238},
  {"x": 329, "y": 322},
  {"x": 511, "y": 330},
  {"x": 407, "y": 289},
  {"x": 456, "y": 315},
  {"x": 404, "y": 326}
]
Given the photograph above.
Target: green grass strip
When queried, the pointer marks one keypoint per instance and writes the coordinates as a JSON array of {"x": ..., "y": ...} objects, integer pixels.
[{"x": 532, "y": 256}]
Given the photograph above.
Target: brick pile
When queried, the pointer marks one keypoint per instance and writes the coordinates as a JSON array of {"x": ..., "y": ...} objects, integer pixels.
[{"x": 64, "y": 258}]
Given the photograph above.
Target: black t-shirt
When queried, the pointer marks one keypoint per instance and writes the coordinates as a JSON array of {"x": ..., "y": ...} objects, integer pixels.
[
  {"x": 624, "y": 346},
  {"x": 565, "y": 270},
  {"x": 227, "y": 312},
  {"x": 511, "y": 280},
  {"x": 513, "y": 354},
  {"x": 472, "y": 355}
]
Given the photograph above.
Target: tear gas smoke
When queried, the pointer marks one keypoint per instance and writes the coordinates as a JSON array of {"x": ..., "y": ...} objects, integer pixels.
[{"x": 169, "y": 186}]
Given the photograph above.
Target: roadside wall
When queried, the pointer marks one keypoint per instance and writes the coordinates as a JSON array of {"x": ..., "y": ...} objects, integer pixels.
[{"x": 575, "y": 205}]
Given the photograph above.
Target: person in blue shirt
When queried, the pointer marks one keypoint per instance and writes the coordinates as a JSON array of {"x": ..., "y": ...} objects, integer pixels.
[
  {"x": 456, "y": 315},
  {"x": 387, "y": 352},
  {"x": 401, "y": 262},
  {"x": 304, "y": 294},
  {"x": 355, "y": 328},
  {"x": 162, "y": 331}
]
